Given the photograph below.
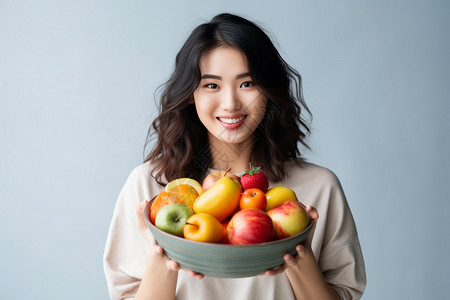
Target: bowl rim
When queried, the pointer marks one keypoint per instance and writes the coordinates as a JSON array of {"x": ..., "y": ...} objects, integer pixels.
[{"x": 153, "y": 227}]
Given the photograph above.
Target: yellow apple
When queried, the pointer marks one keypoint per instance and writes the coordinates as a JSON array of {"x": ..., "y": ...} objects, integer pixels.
[
  {"x": 203, "y": 228},
  {"x": 277, "y": 195}
]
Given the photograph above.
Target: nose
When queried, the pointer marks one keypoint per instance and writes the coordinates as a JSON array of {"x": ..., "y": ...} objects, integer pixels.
[{"x": 230, "y": 100}]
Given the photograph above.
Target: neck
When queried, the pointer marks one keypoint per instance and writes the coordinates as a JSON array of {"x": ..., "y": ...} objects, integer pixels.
[{"x": 234, "y": 156}]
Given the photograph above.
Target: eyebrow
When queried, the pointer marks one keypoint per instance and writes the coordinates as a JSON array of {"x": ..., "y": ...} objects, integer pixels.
[{"x": 206, "y": 76}]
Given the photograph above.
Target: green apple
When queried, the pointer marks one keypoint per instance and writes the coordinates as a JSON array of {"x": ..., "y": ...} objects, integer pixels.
[{"x": 172, "y": 218}]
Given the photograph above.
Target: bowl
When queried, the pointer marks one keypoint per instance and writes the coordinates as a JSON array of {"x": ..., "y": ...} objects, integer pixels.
[{"x": 224, "y": 260}]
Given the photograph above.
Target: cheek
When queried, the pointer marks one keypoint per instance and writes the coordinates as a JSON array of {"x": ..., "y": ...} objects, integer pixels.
[{"x": 204, "y": 106}]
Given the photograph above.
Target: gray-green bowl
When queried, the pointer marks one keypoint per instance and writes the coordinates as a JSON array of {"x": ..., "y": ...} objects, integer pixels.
[{"x": 222, "y": 260}]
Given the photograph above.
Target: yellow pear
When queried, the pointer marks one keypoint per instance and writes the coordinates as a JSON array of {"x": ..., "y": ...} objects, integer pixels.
[{"x": 220, "y": 200}]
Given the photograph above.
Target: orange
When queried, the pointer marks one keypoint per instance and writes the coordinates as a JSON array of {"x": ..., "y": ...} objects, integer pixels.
[
  {"x": 162, "y": 200},
  {"x": 183, "y": 193},
  {"x": 253, "y": 198},
  {"x": 181, "y": 181},
  {"x": 188, "y": 193}
]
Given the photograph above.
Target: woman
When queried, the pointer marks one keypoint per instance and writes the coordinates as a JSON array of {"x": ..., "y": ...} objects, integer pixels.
[{"x": 232, "y": 100}]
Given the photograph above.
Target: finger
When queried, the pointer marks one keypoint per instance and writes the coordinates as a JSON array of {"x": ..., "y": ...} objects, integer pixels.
[
  {"x": 289, "y": 259},
  {"x": 195, "y": 274},
  {"x": 191, "y": 273},
  {"x": 301, "y": 250},
  {"x": 148, "y": 237},
  {"x": 140, "y": 215},
  {"x": 159, "y": 250},
  {"x": 312, "y": 212},
  {"x": 173, "y": 265},
  {"x": 275, "y": 271}
]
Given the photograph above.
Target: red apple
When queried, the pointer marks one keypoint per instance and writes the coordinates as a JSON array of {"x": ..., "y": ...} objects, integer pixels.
[
  {"x": 213, "y": 177},
  {"x": 289, "y": 219},
  {"x": 250, "y": 226},
  {"x": 224, "y": 232}
]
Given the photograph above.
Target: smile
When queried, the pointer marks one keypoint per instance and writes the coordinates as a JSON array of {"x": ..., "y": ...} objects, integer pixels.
[{"x": 231, "y": 120}]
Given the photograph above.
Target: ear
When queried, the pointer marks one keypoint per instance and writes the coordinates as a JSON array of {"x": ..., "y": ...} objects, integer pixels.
[{"x": 192, "y": 101}]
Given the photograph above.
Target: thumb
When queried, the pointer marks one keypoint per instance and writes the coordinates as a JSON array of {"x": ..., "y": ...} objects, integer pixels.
[
  {"x": 140, "y": 212},
  {"x": 141, "y": 215}
]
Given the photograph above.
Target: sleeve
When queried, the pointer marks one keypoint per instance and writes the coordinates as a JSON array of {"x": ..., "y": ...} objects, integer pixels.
[
  {"x": 125, "y": 251},
  {"x": 344, "y": 270},
  {"x": 340, "y": 257}
]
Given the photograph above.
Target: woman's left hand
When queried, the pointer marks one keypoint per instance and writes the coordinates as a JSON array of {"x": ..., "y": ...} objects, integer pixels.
[{"x": 302, "y": 250}]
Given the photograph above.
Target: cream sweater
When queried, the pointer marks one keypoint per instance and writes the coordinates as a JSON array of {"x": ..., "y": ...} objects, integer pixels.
[{"x": 335, "y": 243}]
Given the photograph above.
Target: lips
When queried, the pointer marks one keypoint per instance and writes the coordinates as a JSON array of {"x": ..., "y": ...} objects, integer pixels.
[{"x": 231, "y": 122}]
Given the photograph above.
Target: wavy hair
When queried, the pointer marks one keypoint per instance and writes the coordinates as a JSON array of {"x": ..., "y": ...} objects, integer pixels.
[{"x": 182, "y": 148}]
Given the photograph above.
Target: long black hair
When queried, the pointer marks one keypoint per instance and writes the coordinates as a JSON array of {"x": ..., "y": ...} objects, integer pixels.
[{"x": 181, "y": 148}]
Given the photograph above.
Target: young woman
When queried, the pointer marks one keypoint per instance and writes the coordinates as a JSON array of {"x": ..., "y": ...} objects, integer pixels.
[{"x": 232, "y": 100}]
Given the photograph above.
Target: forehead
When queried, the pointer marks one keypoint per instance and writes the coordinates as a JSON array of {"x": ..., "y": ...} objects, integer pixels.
[{"x": 223, "y": 60}]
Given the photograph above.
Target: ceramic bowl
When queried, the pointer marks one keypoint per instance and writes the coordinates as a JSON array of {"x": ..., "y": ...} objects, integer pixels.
[{"x": 223, "y": 260}]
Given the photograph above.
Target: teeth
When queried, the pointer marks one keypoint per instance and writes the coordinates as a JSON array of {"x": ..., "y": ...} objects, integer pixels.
[{"x": 230, "y": 120}]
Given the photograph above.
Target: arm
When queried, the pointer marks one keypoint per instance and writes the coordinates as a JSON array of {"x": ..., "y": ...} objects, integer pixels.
[
  {"x": 304, "y": 273},
  {"x": 131, "y": 257},
  {"x": 160, "y": 276},
  {"x": 306, "y": 278},
  {"x": 159, "y": 280}
]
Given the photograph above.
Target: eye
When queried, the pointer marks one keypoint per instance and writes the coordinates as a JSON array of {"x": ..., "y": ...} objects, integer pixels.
[
  {"x": 247, "y": 84},
  {"x": 212, "y": 86}
]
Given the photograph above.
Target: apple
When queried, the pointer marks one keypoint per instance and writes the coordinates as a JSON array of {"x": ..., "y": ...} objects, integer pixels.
[
  {"x": 277, "y": 195},
  {"x": 213, "y": 177},
  {"x": 289, "y": 219},
  {"x": 250, "y": 226},
  {"x": 224, "y": 239},
  {"x": 172, "y": 218},
  {"x": 203, "y": 227}
]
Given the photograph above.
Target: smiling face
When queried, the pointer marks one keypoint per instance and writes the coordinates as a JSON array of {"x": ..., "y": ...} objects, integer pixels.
[{"x": 227, "y": 101}]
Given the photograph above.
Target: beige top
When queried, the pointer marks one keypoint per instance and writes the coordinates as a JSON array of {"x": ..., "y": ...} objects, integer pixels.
[{"x": 335, "y": 243}]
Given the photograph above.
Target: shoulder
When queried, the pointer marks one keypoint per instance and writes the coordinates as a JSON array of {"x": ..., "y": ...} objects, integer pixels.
[
  {"x": 315, "y": 185},
  {"x": 310, "y": 173},
  {"x": 140, "y": 171},
  {"x": 141, "y": 184}
]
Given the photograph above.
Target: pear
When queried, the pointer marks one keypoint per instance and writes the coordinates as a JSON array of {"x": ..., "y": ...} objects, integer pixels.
[{"x": 220, "y": 200}]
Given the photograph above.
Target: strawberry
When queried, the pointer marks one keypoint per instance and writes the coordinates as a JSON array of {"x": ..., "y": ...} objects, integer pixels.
[{"x": 254, "y": 178}]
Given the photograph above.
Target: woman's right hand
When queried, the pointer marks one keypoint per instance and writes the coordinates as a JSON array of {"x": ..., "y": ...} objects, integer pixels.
[{"x": 152, "y": 245}]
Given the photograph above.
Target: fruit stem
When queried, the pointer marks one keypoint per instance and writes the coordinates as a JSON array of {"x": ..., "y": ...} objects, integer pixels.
[
  {"x": 187, "y": 223},
  {"x": 229, "y": 169}
]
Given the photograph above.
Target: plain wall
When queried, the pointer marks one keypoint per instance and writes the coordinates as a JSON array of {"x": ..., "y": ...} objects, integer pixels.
[{"x": 77, "y": 83}]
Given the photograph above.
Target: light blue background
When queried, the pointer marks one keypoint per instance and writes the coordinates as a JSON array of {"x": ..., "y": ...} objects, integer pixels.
[{"x": 76, "y": 87}]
